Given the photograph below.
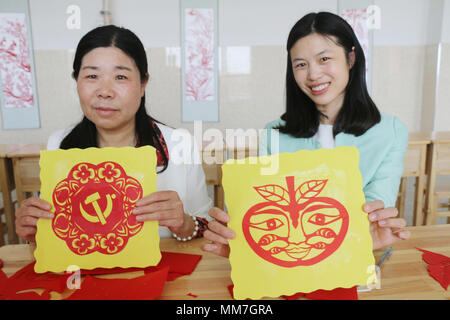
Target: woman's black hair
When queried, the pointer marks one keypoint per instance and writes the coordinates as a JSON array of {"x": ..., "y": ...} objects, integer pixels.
[
  {"x": 358, "y": 113},
  {"x": 84, "y": 134}
]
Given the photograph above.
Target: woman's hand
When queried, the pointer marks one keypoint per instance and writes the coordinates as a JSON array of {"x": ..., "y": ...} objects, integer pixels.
[
  {"x": 218, "y": 233},
  {"x": 167, "y": 208},
  {"x": 27, "y": 215},
  {"x": 384, "y": 227}
]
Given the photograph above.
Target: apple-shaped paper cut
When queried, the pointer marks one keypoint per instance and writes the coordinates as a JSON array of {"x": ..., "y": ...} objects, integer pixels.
[{"x": 295, "y": 227}]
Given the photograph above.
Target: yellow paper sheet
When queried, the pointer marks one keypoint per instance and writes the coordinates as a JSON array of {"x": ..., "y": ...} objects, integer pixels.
[
  {"x": 92, "y": 193},
  {"x": 300, "y": 229}
]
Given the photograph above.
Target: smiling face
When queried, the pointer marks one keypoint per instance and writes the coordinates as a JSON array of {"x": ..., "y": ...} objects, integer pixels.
[
  {"x": 321, "y": 70},
  {"x": 295, "y": 227},
  {"x": 109, "y": 88}
]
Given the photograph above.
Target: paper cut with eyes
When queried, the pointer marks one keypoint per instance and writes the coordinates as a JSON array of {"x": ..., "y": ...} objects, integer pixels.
[
  {"x": 301, "y": 229},
  {"x": 92, "y": 201},
  {"x": 320, "y": 224}
]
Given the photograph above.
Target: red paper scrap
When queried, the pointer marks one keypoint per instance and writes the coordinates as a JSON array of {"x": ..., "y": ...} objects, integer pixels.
[
  {"x": 9, "y": 291},
  {"x": 294, "y": 296},
  {"x": 146, "y": 287},
  {"x": 335, "y": 294},
  {"x": 180, "y": 264},
  {"x": 438, "y": 267},
  {"x": 230, "y": 290},
  {"x": 192, "y": 295},
  {"x": 177, "y": 265},
  {"x": 26, "y": 278}
]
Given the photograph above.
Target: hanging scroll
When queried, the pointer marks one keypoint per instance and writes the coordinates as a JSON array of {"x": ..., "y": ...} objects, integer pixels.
[
  {"x": 359, "y": 15},
  {"x": 199, "y": 60},
  {"x": 18, "y": 99}
]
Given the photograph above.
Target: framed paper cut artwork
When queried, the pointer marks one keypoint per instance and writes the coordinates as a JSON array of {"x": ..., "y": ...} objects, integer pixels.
[
  {"x": 301, "y": 229},
  {"x": 18, "y": 94},
  {"x": 199, "y": 62},
  {"x": 92, "y": 193},
  {"x": 363, "y": 16}
]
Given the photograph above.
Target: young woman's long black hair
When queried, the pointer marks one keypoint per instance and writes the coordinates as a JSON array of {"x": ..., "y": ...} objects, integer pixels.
[
  {"x": 358, "y": 113},
  {"x": 84, "y": 135}
]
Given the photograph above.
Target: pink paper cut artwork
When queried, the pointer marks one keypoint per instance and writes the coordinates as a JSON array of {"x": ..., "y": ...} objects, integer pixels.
[
  {"x": 199, "y": 57},
  {"x": 93, "y": 208},
  {"x": 357, "y": 18},
  {"x": 15, "y": 66},
  {"x": 291, "y": 209}
]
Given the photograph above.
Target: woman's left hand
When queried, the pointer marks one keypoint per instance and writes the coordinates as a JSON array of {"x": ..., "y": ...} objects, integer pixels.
[
  {"x": 384, "y": 227},
  {"x": 165, "y": 207}
]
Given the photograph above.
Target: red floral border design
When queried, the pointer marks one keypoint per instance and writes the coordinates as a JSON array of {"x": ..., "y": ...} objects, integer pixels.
[{"x": 111, "y": 238}]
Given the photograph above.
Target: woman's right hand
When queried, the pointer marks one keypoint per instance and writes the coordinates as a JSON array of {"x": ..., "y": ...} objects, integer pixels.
[
  {"x": 27, "y": 216},
  {"x": 218, "y": 233}
]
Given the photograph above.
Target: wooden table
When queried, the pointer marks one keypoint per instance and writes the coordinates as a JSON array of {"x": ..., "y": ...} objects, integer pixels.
[{"x": 403, "y": 276}]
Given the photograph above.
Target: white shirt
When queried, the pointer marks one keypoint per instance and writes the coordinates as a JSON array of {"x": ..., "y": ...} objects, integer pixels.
[
  {"x": 184, "y": 173},
  {"x": 325, "y": 136}
]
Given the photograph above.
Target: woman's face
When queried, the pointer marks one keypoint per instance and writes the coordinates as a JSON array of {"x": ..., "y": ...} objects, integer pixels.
[
  {"x": 321, "y": 69},
  {"x": 109, "y": 88}
]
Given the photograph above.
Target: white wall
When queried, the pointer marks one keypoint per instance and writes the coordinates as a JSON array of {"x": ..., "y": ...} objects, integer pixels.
[{"x": 402, "y": 50}]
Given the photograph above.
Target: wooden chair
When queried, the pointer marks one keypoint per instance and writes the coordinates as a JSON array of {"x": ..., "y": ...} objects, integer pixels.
[
  {"x": 26, "y": 176},
  {"x": 213, "y": 156},
  {"x": 415, "y": 167},
  {"x": 249, "y": 148},
  {"x": 439, "y": 164},
  {"x": 3, "y": 228},
  {"x": 25, "y": 162},
  {"x": 6, "y": 188}
]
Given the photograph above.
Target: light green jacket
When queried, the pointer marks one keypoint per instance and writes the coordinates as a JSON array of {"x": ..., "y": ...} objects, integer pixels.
[{"x": 382, "y": 150}]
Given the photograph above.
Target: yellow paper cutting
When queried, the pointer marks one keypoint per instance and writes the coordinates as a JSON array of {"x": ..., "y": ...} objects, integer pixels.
[
  {"x": 301, "y": 228},
  {"x": 92, "y": 193}
]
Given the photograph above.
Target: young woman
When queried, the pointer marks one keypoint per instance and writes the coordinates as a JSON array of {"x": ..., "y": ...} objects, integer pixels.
[
  {"x": 328, "y": 105},
  {"x": 110, "y": 68}
]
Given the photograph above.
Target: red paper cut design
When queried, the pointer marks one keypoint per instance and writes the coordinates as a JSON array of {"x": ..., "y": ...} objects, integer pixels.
[
  {"x": 146, "y": 287},
  {"x": 199, "y": 44},
  {"x": 294, "y": 226},
  {"x": 15, "y": 69},
  {"x": 438, "y": 267},
  {"x": 26, "y": 279},
  {"x": 177, "y": 264},
  {"x": 93, "y": 208},
  {"x": 180, "y": 264}
]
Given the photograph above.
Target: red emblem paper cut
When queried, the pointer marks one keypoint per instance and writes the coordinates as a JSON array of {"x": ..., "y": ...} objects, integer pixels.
[
  {"x": 93, "y": 208},
  {"x": 290, "y": 228},
  {"x": 93, "y": 192}
]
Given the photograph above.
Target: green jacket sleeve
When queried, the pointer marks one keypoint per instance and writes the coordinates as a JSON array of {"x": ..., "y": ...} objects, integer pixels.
[{"x": 386, "y": 180}]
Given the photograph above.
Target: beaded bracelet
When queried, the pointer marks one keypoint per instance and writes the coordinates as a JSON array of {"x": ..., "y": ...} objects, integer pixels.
[{"x": 191, "y": 236}]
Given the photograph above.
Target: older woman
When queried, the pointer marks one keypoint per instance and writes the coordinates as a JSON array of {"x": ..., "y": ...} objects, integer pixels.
[{"x": 110, "y": 68}]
